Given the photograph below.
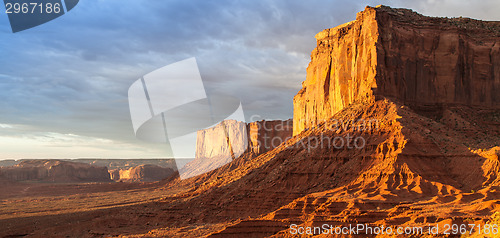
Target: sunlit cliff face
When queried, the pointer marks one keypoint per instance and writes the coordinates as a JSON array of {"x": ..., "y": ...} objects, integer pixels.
[{"x": 423, "y": 62}]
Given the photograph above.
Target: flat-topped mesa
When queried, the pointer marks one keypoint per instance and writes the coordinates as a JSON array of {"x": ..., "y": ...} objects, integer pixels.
[
  {"x": 399, "y": 54},
  {"x": 231, "y": 138},
  {"x": 55, "y": 171},
  {"x": 141, "y": 173},
  {"x": 225, "y": 140}
]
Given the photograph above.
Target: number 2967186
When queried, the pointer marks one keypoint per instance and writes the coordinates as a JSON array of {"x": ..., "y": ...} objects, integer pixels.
[{"x": 31, "y": 8}]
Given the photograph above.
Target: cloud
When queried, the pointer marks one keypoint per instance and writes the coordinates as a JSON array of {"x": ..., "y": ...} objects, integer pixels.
[
  {"x": 27, "y": 142},
  {"x": 71, "y": 75}
]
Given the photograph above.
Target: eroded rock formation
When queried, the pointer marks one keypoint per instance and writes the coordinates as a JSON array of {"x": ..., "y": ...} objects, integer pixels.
[
  {"x": 219, "y": 145},
  {"x": 55, "y": 171},
  {"x": 425, "y": 62},
  {"x": 227, "y": 139},
  {"x": 230, "y": 138},
  {"x": 141, "y": 173}
]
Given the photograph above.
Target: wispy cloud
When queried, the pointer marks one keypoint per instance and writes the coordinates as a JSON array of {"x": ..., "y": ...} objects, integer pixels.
[{"x": 70, "y": 76}]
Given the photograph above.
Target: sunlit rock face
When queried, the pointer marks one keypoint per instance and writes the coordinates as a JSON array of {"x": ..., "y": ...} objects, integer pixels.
[
  {"x": 227, "y": 139},
  {"x": 230, "y": 139},
  {"x": 424, "y": 62},
  {"x": 141, "y": 173}
]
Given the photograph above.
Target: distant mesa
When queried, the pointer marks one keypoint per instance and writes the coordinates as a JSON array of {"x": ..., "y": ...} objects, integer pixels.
[
  {"x": 223, "y": 142},
  {"x": 7, "y": 163},
  {"x": 55, "y": 171},
  {"x": 266, "y": 135},
  {"x": 141, "y": 173},
  {"x": 257, "y": 137},
  {"x": 226, "y": 141}
]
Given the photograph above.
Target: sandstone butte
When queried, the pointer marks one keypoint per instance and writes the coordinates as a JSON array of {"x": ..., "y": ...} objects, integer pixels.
[
  {"x": 423, "y": 62},
  {"x": 55, "y": 171},
  {"x": 220, "y": 144},
  {"x": 256, "y": 136},
  {"x": 430, "y": 84},
  {"x": 141, "y": 173}
]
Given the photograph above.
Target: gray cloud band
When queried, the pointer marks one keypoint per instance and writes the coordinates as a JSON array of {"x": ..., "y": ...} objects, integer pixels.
[{"x": 170, "y": 105}]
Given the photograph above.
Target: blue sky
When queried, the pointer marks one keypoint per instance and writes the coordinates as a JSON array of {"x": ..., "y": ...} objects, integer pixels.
[{"x": 64, "y": 84}]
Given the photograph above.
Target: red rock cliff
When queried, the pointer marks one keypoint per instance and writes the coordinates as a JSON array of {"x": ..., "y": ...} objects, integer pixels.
[
  {"x": 399, "y": 54},
  {"x": 141, "y": 173},
  {"x": 219, "y": 145},
  {"x": 225, "y": 140},
  {"x": 257, "y": 137}
]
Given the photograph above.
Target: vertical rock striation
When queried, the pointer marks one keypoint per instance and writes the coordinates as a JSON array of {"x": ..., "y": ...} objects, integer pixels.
[
  {"x": 55, "y": 171},
  {"x": 230, "y": 138},
  {"x": 227, "y": 139},
  {"x": 141, "y": 173},
  {"x": 424, "y": 62},
  {"x": 219, "y": 145}
]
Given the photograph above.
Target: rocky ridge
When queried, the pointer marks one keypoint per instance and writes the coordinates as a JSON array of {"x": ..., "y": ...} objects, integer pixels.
[
  {"x": 55, "y": 171},
  {"x": 431, "y": 159}
]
